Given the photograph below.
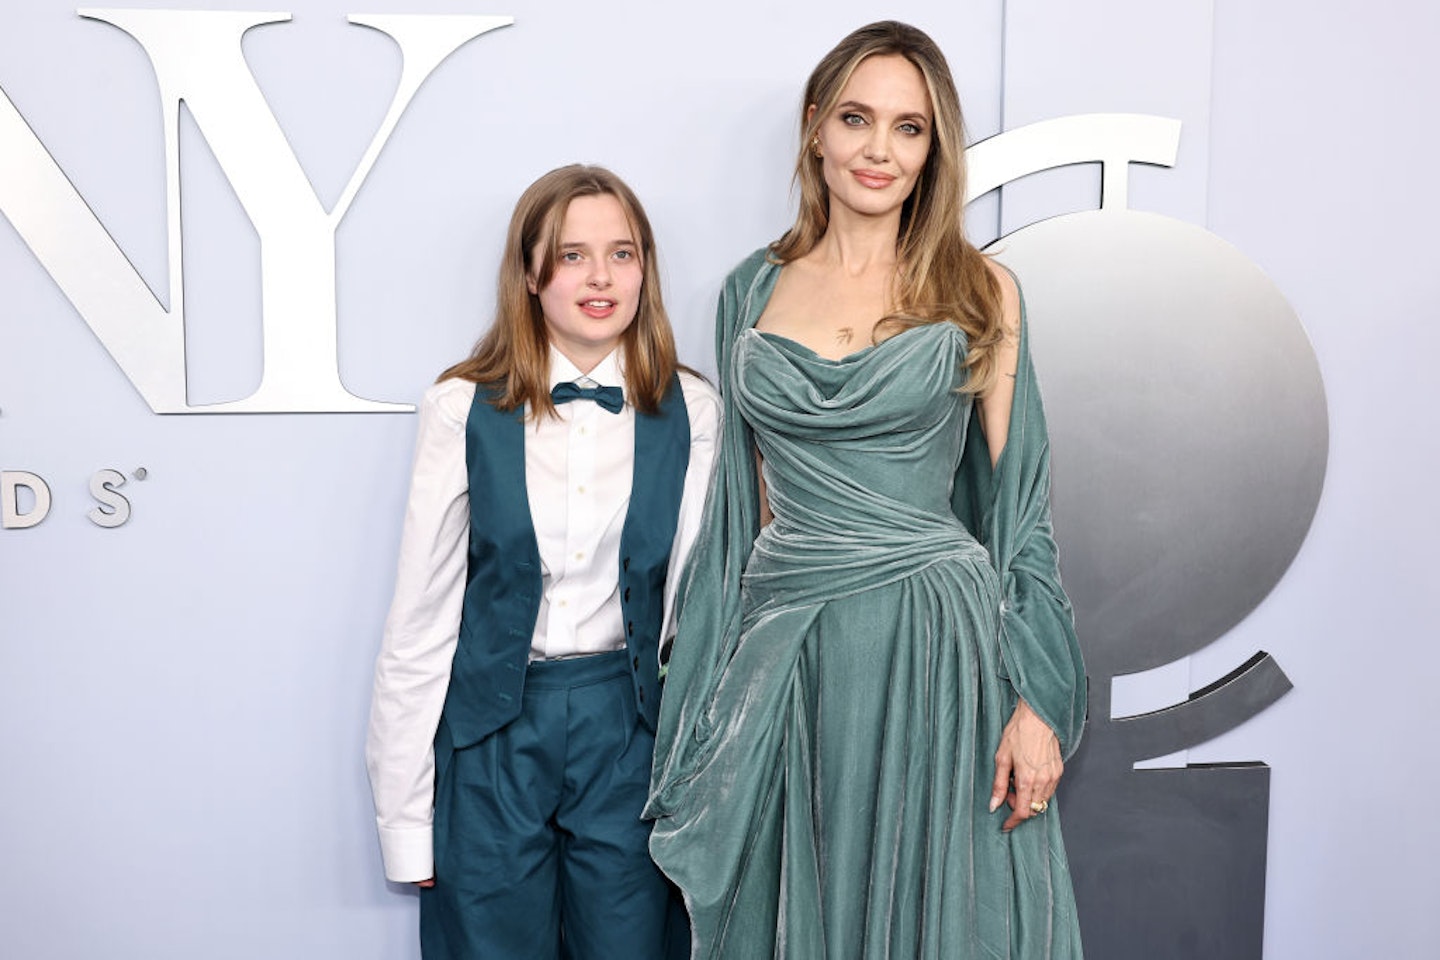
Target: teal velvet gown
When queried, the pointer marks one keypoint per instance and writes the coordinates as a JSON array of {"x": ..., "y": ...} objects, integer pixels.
[{"x": 841, "y": 677}]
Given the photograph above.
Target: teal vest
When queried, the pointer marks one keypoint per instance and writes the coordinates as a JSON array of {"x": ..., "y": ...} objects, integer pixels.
[{"x": 503, "y": 580}]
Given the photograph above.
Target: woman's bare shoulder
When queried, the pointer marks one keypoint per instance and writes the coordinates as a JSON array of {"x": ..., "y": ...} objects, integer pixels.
[{"x": 1009, "y": 295}]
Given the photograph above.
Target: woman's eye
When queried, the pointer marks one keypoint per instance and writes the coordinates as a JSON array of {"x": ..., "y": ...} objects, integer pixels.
[
  {"x": 624, "y": 254},
  {"x": 852, "y": 119},
  {"x": 911, "y": 129}
]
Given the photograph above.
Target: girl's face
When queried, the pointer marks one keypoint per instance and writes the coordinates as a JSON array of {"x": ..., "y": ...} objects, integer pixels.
[
  {"x": 877, "y": 137},
  {"x": 594, "y": 291}
]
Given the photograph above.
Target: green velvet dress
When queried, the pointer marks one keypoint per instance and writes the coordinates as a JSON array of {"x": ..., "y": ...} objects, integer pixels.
[{"x": 841, "y": 678}]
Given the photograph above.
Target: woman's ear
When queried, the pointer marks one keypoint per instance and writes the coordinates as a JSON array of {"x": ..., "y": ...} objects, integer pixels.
[{"x": 531, "y": 285}]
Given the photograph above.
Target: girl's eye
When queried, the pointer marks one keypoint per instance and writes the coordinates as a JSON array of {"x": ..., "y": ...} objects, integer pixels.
[
  {"x": 570, "y": 256},
  {"x": 624, "y": 255}
]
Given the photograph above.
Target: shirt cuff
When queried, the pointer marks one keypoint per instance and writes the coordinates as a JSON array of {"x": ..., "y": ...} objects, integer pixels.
[{"x": 408, "y": 852}]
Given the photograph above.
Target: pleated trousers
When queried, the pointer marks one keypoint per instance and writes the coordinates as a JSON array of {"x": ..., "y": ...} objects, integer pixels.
[{"x": 540, "y": 852}]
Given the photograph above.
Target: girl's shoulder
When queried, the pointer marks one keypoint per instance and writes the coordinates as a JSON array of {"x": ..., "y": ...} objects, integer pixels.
[
  {"x": 450, "y": 398},
  {"x": 702, "y": 401},
  {"x": 694, "y": 386}
]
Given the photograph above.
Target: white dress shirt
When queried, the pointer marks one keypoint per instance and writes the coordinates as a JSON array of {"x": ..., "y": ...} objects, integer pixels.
[{"x": 578, "y": 471}]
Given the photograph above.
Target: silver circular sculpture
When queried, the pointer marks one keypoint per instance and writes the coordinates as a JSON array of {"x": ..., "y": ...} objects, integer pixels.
[
  {"x": 1189, "y": 439},
  {"x": 1188, "y": 424}
]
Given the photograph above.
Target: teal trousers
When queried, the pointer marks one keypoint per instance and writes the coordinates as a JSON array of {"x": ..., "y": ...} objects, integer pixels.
[{"x": 540, "y": 852}]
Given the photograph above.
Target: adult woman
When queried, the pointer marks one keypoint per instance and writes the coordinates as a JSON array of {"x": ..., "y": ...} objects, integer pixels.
[
  {"x": 559, "y": 475},
  {"x": 859, "y": 683}
]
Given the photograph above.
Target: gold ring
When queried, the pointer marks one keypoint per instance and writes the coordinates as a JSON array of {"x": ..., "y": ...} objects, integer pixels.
[{"x": 1039, "y": 806}]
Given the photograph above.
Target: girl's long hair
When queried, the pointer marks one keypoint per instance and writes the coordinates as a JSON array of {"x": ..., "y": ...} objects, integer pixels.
[
  {"x": 940, "y": 275},
  {"x": 512, "y": 359}
]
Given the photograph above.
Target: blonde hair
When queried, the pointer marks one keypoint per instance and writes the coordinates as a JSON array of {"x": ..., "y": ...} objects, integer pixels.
[
  {"x": 512, "y": 359},
  {"x": 940, "y": 275}
]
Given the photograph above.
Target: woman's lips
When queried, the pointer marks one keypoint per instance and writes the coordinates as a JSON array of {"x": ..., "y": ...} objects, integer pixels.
[
  {"x": 597, "y": 307},
  {"x": 873, "y": 179}
]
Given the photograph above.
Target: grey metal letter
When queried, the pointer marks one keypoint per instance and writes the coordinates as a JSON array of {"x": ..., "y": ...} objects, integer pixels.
[
  {"x": 197, "y": 58},
  {"x": 104, "y": 488},
  {"x": 10, "y": 483}
]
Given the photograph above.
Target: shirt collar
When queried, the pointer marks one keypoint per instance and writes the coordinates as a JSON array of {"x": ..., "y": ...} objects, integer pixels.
[{"x": 607, "y": 372}]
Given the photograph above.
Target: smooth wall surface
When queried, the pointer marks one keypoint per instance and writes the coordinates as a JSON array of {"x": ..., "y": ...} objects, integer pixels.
[{"x": 182, "y": 698}]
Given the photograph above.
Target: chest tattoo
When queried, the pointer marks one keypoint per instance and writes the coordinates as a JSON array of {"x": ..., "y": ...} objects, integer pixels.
[{"x": 844, "y": 335}]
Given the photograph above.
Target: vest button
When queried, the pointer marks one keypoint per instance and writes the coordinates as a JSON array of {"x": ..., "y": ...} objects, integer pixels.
[
  {"x": 626, "y": 597},
  {"x": 625, "y": 564},
  {"x": 630, "y": 629},
  {"x": 637, "y": 663},
  {"x": 642, "y": 694}
]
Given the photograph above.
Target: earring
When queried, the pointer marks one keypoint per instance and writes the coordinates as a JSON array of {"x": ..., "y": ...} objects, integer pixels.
[{"x": 815, "y": 146}]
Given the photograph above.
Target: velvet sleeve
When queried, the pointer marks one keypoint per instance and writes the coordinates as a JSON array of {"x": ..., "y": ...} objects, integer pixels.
[
  {"x": 708, "y": 619},
  {"x": 1008, "y": 508}
]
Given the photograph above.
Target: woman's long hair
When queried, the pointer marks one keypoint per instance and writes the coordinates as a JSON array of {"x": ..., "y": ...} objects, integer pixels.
[
  {"x": 512, "y": 359},
  {"x": 940, "y": 275}
]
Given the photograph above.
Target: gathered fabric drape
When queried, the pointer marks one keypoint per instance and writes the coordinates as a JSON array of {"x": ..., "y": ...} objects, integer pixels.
[{"x": 841, "y": 678}]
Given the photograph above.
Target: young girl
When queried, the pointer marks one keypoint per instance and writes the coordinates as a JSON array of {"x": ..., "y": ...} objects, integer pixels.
[{"x": 559, "y": 475}]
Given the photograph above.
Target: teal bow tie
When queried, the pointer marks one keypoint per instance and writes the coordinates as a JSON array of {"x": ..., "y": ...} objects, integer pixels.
[{"x": 609, "y": 398}]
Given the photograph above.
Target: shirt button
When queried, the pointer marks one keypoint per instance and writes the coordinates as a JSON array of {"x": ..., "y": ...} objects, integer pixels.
[
  {"x": 580, "y": 489},
  {"x": 564, "y": 603},
  {"x": 579, "y": 555}
]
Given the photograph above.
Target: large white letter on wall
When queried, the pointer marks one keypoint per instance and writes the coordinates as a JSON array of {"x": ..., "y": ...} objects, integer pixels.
[{"x": 197, "y": 59}]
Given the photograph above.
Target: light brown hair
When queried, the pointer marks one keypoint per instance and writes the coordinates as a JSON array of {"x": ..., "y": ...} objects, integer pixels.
[
  {"x": 512, "y": 359},
  {"x": 940, "y": 275}
]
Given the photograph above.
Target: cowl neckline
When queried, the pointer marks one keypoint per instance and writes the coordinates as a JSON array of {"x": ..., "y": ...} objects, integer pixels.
[{"x": 801, "y": 351}]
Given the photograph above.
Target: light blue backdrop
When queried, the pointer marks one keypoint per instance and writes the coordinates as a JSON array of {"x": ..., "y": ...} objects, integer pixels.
[{"x": 182, "y": 699}]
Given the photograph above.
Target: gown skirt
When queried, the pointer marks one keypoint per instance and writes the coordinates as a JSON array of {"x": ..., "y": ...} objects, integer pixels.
[{"x": 841, "y": 809}]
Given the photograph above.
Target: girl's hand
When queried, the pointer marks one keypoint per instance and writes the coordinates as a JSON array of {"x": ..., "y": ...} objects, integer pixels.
[{"x": 1027, "y": 766}]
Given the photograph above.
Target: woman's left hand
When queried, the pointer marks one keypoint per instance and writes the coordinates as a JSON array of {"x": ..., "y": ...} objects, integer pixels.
[{"x": 1027, "y": 766}]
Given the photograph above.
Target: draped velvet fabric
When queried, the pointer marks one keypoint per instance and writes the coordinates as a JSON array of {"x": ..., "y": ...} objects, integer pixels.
[{"x": 841, "y": 678}]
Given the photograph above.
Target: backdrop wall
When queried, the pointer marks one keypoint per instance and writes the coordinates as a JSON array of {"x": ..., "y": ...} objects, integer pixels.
[{"x": 183, "y": 697}]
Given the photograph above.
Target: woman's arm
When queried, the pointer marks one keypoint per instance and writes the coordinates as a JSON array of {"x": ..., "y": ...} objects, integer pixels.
[
  {"x": 702, "y": 407},
  {"x": 412, "y": 672},
  {"x": 1027, "y": 762},
  {"x": 995, "y": 403}
]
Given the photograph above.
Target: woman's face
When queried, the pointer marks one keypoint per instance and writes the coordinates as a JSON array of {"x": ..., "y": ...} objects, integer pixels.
[
  {"x": 876, "y": 139},
  {"x": 594, "y": 291}
]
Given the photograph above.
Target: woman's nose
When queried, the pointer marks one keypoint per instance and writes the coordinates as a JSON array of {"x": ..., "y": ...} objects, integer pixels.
[{"x": 877, "y": 145}]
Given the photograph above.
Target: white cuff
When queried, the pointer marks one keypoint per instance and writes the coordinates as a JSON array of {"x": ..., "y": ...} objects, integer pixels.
[{"x": 408, "y": 852}]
